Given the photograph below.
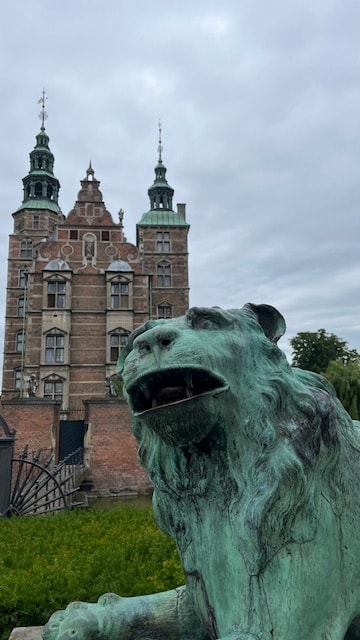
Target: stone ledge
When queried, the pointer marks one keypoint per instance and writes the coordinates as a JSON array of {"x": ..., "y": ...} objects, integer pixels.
[{"x": 26, "y": 633}]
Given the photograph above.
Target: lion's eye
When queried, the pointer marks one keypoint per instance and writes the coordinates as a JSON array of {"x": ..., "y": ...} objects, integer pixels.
[
  {"x": 208, "y": 319},
  {"x": 205, "y": 323}
]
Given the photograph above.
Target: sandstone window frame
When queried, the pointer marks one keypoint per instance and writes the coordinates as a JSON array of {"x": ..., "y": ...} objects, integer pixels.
[
  {"x": 56, "y": 292},
  {"x": 117, "y": 340},
  {"x": 119, "y": 293},
  {"x": 53, "y": 388},
  {"x": 55, "y": 347}
]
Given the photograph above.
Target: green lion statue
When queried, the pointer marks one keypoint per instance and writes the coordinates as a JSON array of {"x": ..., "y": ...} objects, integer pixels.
[{"x": 256, "y": 474}]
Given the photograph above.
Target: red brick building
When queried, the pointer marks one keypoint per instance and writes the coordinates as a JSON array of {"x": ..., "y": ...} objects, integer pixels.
[{"x": 75, "y": 290}]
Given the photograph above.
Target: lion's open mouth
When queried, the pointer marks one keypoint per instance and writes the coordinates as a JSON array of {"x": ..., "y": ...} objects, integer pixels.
[{"x": 172, "y": 386}]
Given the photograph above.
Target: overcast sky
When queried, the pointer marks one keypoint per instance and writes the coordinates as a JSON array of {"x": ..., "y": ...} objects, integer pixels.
[{"x": 260, "y": 108}]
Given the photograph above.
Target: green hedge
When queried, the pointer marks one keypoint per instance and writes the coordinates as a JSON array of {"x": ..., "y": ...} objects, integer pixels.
[{"x": 48, "y": 561}]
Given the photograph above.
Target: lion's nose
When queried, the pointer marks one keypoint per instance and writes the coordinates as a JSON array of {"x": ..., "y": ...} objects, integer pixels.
[{"x": 156, "y": 339}]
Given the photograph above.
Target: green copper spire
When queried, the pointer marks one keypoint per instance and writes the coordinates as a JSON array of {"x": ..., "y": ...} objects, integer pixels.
[
  {"x": 41, "y": 187},
  {"x": 161, "y": 197},
  {"x": 160, "y": 193}
]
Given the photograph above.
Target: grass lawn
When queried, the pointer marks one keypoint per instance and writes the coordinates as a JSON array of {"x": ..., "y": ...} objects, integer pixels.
[{"x": 48, "y": 561}]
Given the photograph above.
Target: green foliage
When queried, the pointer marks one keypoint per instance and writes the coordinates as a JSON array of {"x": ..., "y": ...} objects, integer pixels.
[
  {"x": 48, "y": 561},
  {"x": 345, "y": 378},
  {"x": 117, "y": 384},
  {"x": 314, "y": 351}
]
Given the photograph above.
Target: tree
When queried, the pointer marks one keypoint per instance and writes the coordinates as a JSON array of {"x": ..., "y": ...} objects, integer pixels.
[
  {"x": 345, "y": 378},
  {"x": 327, "y": 354},
  {"x": 314, "y": 351}
]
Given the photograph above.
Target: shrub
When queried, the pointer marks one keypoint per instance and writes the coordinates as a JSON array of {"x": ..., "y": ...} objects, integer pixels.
[{"x": 48, "y": 561}]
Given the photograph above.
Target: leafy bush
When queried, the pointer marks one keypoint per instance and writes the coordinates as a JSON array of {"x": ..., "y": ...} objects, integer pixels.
[{"x": 48, "y": 561}]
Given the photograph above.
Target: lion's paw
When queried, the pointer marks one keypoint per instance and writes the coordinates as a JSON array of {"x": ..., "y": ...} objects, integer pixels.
[{"x": 76, "y": 622}]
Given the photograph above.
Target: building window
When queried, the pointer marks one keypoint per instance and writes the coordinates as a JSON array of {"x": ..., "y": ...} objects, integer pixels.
[
  {"x": 164, "y": 311},
  {"x": 163, "y": 241},
  {"x": 20, "y": 336},
  {"x": 74, "y": 234},
  {"x": 54, "y": 348},
  {"x": 105, "y": 236},
  {"x": 36, "y": 222},
  {"x": 38, "y": 189},
  {"x": 21, "y": 306},
  {"x": 26, "y": 249},
  {"x": 22, "y": 278},
  {"x": 119, "y": 296},
  {"x": 163, "y": 273},
  {"x": 118, "y": 341},
  {"x": 17, "y": 379},
  {"x": 56, "y": 290},
  {"x": 53, "y": 389}
]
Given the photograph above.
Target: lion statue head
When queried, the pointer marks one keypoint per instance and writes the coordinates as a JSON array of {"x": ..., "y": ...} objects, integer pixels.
[{"x": 219, "y": 413}]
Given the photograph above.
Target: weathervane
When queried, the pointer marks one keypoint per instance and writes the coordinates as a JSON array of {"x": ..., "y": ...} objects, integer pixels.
[
  {"x": 43, "y": 115},
  {"x": 160, "y": 148}
]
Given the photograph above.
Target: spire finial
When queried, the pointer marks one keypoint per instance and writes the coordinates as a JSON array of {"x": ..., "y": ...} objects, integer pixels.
[
  {"x": 42, "y": 115},
  {"x": 160, "y": 148}
]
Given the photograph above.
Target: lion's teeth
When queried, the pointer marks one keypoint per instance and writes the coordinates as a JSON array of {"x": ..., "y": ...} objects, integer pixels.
[{"x": 188, "y": 393}]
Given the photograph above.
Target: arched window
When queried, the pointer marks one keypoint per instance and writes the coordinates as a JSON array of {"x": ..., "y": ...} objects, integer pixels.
[{"x": 38, "y": 189}]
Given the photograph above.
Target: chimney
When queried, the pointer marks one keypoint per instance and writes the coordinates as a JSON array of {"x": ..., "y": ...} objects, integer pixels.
[{"x": 181, "y": 209}]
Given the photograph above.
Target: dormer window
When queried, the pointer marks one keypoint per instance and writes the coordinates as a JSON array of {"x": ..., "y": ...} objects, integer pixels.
[
  {"x": 119, "y": 295},
  {"x": 56, "y": 294}
]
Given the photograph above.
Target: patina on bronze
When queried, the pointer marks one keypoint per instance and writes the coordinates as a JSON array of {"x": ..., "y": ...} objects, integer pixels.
[{"x": 255, "y": 467}]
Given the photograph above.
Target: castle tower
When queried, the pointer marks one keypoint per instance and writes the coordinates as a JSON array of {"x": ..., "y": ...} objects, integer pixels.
[{"x": 162, "y": 242}]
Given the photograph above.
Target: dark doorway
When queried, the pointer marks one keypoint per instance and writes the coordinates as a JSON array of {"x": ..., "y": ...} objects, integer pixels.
[{"x": 71, "y": 437}]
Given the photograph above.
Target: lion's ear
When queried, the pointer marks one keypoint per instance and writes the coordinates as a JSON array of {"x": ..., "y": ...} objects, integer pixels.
[{"x": 270, "y": 319}]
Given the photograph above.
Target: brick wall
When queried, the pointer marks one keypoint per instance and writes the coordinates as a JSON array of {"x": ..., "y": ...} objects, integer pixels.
[
  {"x": 112, "y": 449},
  {"x": 35, "y": 420}
]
